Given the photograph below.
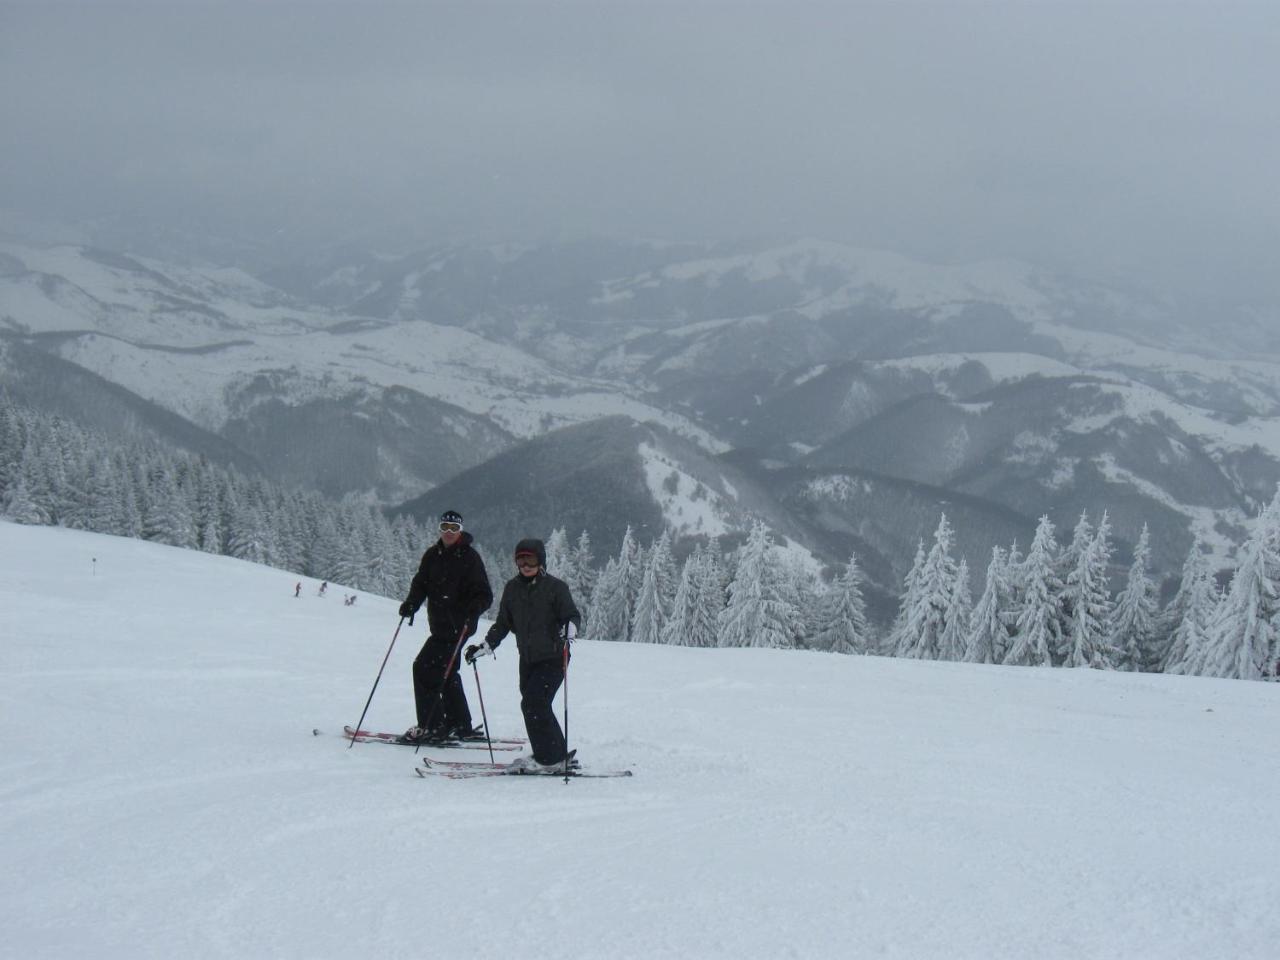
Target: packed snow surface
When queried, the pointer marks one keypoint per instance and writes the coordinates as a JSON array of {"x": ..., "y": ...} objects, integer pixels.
[{"x": 163, "y": 794}]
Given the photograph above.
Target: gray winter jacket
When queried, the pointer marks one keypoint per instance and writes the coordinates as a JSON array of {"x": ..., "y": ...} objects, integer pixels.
[{"x": 536, "y": 610}]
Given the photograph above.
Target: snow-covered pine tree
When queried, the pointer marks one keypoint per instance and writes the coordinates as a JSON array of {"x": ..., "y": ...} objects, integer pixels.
[
  {"x": 684, "y": 606},
  {"x": 1188, "y": 618},
  {"x": 799, "y": 586},
  {"x": 1131, "y": 627},
  {"x": 630, "y": 572},
  {"x": 208, "y": 518},
  {"x": 758, "y": 613},
  {"x": 842, "y": 626},
  {"x": 12, "y": 443},
  {"x": 1243, "y": 642},
  {"x": 168, "y": 518},
  {"x": 127, "y": 515},
  {"x": 907, "y": 602},
  {"x": 959, "y": 616},
  {"x": 704, "y": 628},
  {"x": 927, "y": 619},
  {"x": 1089, "y": 602},
  {"x": 988, "y": 635},
  {"x": 1038, "y": 631},
  {"x": 42, "y": 471},
  {"x": 1015, "y": 577},
  {"x": 651, "y": 611},
  {"x": 718, "y": 567},
  {"x": 557, "y": 548},
  {"x": 582, "y": 575},
  {"x": 1068, "y": 562},
  {"x": 698, "y": 602},
  {"x": 610, "y": 619},
  {"x": 665, "y": 573},
  {"x": 20, "y": 506}
]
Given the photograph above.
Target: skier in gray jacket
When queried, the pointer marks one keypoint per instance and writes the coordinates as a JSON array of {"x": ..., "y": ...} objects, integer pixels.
[{"x": 539, "y": 609}]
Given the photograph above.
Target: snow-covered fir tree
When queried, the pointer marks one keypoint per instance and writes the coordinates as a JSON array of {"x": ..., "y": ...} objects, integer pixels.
[
  {"x": 630, "y": 573},
  {"x": 1189, "y": 616},
  {"x": 720, "y": 567},
  {"x": 1015, "y": 577},
  {"x": 958, "y": 619},
  {"x": 558, "y": 554},
  {"x": 926, "y": 619},
  {"x": 610, "y": 619},
  {"x": 665, "y": 572},
  {"x": 842, "y": 625},
  {"x": 582, "y": 575},
  {"x": 1068, "y": 561},
  {"x": 1131, "y": 627},
  {"x": 697, "y": 604},
  {"x": 1243, "y": 641},
  {"x": 1038, "y": 631},
  {"x": 704, "y": 628},
  {"x": 651, "y": 613},
  {"x": 802, "y": 588},
  {"x": 908, "y": 602},
  {"x": 1089, "y": 604},
  {"x": 683, "y": 605},
  {"x": 758, "y": 613},
  {"x": 988, "y": 634}
]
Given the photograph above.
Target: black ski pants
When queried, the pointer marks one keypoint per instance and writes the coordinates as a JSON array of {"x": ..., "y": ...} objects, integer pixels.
[
  {"x": 428, "y": 674},
  {"x": 538, "y": 685}
]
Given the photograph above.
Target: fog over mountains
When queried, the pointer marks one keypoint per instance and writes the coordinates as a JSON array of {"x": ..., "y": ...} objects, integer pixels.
[{"x": 846, "y": 396}]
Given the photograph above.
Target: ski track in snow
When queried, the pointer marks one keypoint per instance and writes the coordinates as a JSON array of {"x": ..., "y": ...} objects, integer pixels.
[{"x": 163, "y": 794}]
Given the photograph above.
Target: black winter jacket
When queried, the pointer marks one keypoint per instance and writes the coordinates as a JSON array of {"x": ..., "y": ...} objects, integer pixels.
[
  {"x": 535, "y": 609},
  {"x": 455, "y": 586}
]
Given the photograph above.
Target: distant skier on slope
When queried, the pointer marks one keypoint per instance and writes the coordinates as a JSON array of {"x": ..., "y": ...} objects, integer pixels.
[
  {"x": 452, "y": 580},
  {"x": 539, "y": 609}
]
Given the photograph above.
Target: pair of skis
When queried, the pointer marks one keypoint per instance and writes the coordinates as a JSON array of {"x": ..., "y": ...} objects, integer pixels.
[
  {"x": 468, "y": 769},
  {"x": 396, "y": 739}
]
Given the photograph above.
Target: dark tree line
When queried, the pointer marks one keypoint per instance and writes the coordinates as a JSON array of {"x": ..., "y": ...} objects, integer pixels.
[{"x": 54, "y": 472}]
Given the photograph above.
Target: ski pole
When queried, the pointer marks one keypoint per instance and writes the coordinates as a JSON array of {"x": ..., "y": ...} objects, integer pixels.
[
  {"x": 360, "y": 724},
  {"x": 483, "y": 715},
  {"x": 566, "y": 705},
  {"x": 444, "y": 680}
]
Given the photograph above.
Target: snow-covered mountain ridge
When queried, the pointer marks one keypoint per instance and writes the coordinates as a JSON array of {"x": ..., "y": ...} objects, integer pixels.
[{"x": 433, "y": 363}]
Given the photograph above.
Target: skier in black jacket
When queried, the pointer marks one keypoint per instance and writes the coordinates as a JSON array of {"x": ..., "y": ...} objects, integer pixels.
[
  {"x": 539, "y": 609},
  {"x": 452, "y": 580}
]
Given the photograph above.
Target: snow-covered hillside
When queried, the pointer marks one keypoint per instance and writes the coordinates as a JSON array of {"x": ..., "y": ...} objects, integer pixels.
[
  {"x": 164, "y": 795},
  {"x": 390, "y": 377},
  {"x": 206, "y": 343}
]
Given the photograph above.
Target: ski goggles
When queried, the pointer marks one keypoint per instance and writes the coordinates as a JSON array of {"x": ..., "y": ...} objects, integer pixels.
[{"x": 450, "y": 527}]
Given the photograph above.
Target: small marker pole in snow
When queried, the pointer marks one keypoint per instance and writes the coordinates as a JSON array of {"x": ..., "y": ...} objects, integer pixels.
[
  {"x": 483, "y": 715},
  {"x": 360, "y": 724}
]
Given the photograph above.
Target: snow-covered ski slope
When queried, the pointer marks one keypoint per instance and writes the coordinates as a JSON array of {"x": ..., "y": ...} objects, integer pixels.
[{"x": 163, "y": 795}]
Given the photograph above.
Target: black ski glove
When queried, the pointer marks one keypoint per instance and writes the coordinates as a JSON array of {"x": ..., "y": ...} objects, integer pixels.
[
  {"x": 477, "y": 650},
  {"x": 407, "y": 609}
]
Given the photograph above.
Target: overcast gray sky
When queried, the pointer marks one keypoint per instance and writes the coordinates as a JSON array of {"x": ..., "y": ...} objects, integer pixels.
[{"x": 1121, "y": 140}]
